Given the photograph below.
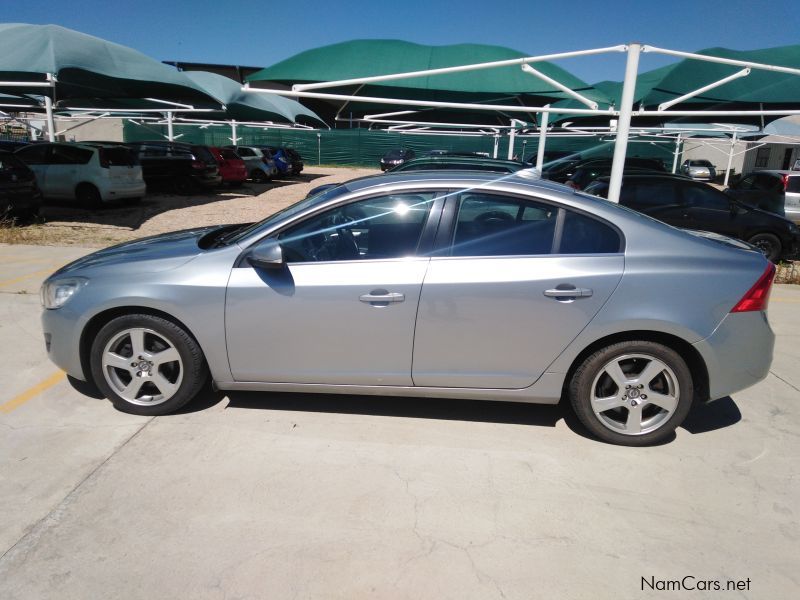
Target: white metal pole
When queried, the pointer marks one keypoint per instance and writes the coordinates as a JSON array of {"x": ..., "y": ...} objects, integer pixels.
[
  {"x": 624, "y": 122},
  {"x": 511, "y": 135},
  {"x": 542, "y": 138},
  {"x": 319, "y": 148},
  {"x": 170, "y": 133},
  {"x": 51, "y": 125},
  {"x": 677, "y": 152},
  {"x": 234, "y": 137},
  {"x": 730, "y": 157},
  {"x": 496, "y": 145}
]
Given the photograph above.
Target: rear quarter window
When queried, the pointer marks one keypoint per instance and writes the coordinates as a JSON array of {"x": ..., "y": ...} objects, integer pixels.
[{"x": 585, "y": 235}]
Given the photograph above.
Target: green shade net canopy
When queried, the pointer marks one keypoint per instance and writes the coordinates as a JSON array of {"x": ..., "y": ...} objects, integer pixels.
[
  {"x": 243, "y": 106},
  {"x": 506, "y": 85},
  {"x": 87, "y": 69}
]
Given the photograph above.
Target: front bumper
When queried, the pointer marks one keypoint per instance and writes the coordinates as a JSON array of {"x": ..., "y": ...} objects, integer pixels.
[
  {"x": 62, "y": 329},
  {"x": 738, "y": 354}
]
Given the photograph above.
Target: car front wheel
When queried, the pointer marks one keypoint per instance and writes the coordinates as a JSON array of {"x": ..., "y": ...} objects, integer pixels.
[
  {"x": 147, "y": 365},
  {"x": 632, "y": 393}
]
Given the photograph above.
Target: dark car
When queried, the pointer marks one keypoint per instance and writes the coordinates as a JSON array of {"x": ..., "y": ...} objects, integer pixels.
[
  {"x": 11, "y": 146},
  {"x": 182, "y": 168},
  {"x": 396, "y": 157},
  {"x": 19, "y": 194},
  {"x": 775, "y": 191},
  {"x": 586, "y": 174},
  {"x": 563, "y": 169},
  {"x": 459, "y": 163},
  {"x": 690, "y": 204},
  {"x": 457, "y": 153},
  {"x": 288, "y": 160}
]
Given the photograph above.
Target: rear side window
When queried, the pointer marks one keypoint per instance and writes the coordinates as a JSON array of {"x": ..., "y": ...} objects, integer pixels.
[
  {"x": 118, "y": 157},
  {"x": 229, "y": 154},
  {"x": 585, "y": 235},
  {"x": 494, "y": 225},
  {"x": 204, "y": 154},
  {"x": 705, "y": 197},
  {"x": 768, "y": 183},
  {"x": 245, "y": 152}
]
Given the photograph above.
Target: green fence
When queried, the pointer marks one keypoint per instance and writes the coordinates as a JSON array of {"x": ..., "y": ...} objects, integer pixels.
[{"x": 364, "y": 147}]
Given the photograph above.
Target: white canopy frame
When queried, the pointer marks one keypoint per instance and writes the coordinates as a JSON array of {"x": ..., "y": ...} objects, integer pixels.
[{"x": 623, "y": 114}]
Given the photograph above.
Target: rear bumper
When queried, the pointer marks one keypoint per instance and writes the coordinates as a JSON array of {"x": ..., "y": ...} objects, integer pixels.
[
  {"x": 738, "y": 354},
  {"x": 112, "y": 190}
]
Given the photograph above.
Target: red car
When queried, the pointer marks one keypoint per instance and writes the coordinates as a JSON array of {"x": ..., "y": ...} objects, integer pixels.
[{"x": 231, "y": 166}]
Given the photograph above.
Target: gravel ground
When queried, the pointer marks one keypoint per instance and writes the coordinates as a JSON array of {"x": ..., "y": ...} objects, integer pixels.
[{"x": 64, "y": 224}]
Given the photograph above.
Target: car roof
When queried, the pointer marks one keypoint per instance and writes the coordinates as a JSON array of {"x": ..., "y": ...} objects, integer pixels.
[{"x": 466, "y": 160}]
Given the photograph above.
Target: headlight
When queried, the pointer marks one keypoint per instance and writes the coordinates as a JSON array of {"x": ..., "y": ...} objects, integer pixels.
[{"x": 56, "y": 293}]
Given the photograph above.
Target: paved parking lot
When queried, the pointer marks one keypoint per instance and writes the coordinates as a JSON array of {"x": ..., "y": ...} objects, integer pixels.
[{"x": 302, "y": 496}]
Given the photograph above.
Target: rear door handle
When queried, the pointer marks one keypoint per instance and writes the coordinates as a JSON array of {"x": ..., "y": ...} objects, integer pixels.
[
  {"x": 382, "y": 297},
  {"x": 565, "y": 292}
]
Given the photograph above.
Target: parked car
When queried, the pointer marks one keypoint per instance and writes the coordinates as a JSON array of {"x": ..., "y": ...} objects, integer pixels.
[
  {"x": 699, "y": 169},
  {"x": 461, "y": 163},
  {"x": 396, "y": 157},
  {"x": 92, "y": 174},
  {"x": 690, "y": 204},
  {"x": 231, "y": 166},
  {"x": 182, "y": 168},
  {"x": 509, "y": 288},
  {"x": 11, "y": 146},
  {"x": 461, "y": 153},
  {"x": 775, "y": 191},
  {"x": 586, "y": 174},
  {"x": 562, "y": 170},
  {"x": 19, "y": 194},
  {"x": 260, "y": 165},
  {"x": 288, "y": 161}
]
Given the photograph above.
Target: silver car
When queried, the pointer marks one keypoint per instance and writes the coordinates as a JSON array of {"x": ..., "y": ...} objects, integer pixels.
[
  {"x": 448, "y": 285},
  {"x": 699, "y": 169}
]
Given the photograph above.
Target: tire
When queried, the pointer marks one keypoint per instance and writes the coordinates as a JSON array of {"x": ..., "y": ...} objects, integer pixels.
[
  {"x": 258, "y": 176},
  {"x": 183, "y": 186},
  {"x": 88, "y": 196},
  {"x": 147, "y": 385},
  {"x": 645, "y": 412},
  {"x": 769, "y": 244},
  {"x": 132, "y": 200}
]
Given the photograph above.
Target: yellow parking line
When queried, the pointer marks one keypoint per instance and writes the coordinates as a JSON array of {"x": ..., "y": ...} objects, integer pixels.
[
  {"x": 21, "y": 277},
  {"x": 17, "y": 401}
]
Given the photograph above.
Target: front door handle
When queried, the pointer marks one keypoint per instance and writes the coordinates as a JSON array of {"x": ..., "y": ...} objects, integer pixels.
[
  {"x": 568, "y": 292},
  {"x": 382, "y": 297}
]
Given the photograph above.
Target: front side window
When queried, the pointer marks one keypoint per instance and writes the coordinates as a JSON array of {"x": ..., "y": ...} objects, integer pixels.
[
  {"x": 493, "y": 225},
  {"x": 383, "y": 227},
  {"x": 35, "y": 154},
  {"x": 703, "y": 197},
  {"x": 70, "y": 155}
]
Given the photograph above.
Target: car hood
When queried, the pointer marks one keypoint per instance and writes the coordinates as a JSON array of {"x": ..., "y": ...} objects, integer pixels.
[{"x": 147, "y": 255}]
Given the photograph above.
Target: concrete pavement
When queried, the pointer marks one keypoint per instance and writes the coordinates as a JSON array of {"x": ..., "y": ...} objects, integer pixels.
[{"x": 282, "y": 496}]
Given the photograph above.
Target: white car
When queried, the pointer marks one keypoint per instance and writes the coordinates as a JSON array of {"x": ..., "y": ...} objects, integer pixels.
[{"x": 90, "y": 173}]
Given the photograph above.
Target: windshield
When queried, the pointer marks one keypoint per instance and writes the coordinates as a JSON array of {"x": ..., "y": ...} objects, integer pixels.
[{"x": 287, "y": 212}]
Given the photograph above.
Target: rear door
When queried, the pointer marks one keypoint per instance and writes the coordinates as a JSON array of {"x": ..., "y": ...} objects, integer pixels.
[
  {"x": 708, "y": 209},
  {"x": 516, "y": 282}
]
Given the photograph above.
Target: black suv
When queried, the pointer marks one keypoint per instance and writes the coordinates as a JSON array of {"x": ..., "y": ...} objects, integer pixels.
[
  {"x": 690, "y": 204},
  {"x": 396, "y": 157},
  {"x": 563, "y": 169},
  {"x": 19, "y": 194},
  {"x": 182, "y": 168}
]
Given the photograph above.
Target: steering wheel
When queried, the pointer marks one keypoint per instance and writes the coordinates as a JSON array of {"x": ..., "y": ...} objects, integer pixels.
[{"x": 493, "y": 216}]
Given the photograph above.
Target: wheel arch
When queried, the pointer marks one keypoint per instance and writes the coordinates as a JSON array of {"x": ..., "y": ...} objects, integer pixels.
[
  {"x": 98, "y": 321},
  {"x": 689, "y": 353}
]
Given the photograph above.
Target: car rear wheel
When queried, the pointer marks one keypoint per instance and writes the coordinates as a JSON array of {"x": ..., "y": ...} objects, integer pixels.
[
  {"x": 769, "y": 244},
  {"x": 147, "y": 365},
  {"x": 88, "y": 196},
  {"x": 632, "y": 393},
  {"x": 258, "y": 176}
]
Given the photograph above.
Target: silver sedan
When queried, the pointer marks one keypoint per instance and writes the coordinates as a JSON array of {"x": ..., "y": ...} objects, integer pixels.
[{"x": 449, "y": 285}]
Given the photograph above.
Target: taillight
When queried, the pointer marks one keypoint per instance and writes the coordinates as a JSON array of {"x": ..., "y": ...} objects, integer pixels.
[
  {"x": 785, "y": 181},
  {"x": 757, "y": 297},
  {"x": 103, "y": 156}
]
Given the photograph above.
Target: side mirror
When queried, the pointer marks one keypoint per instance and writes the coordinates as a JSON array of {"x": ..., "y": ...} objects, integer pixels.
[{"x": 266, "y": 255}]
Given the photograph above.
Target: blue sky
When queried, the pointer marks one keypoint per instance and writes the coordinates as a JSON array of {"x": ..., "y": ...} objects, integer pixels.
[{"x": 255, "y": 33}]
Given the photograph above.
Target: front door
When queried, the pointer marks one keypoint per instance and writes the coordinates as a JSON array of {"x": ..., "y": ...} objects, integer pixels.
[
  {"x": 343, "y": 308},
  {"x": 521, "y": 280}
]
